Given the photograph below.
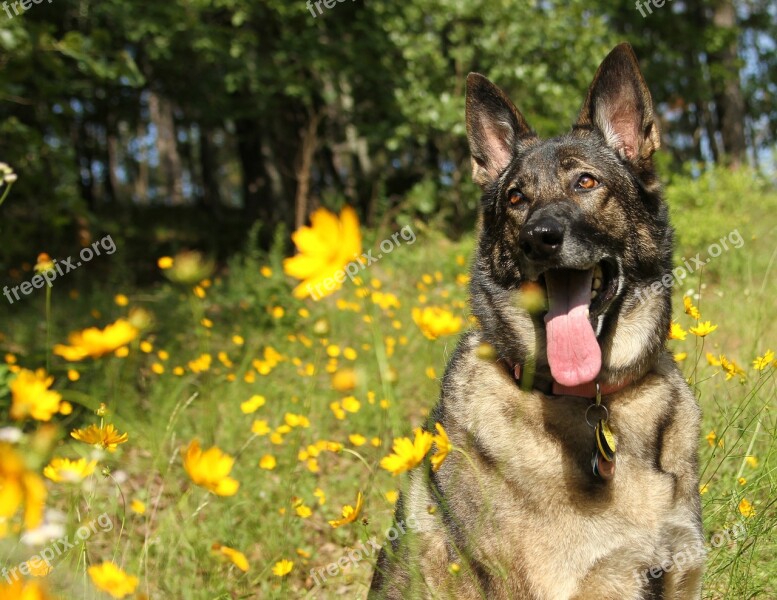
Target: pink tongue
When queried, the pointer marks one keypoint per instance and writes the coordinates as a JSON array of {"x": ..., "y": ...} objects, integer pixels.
[{"x": 573, "y": 352}]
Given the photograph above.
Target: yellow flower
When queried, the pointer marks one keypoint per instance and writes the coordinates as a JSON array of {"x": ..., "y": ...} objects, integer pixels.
[
  {"x": 189, "y": 268},
  {"x": 282, "y": 567},
  {"x": 138, "y": 506},
  {"x": 711, "y": 437},
  {"x": 260, "y": 427},
  {"x": 344, "y": 380},
  {"x": 319, "y": 493},
  {"x": 746, "y": 508},
  {"x": 435, "y": 322},
  {"x": 741, "y": 481},
  {"x": 303, "y": 511},
  {"x": 351, "y": 404},
  {"x": 680, "y": 356},
  {"x": 751, "y": 461},
  {"x": 690, "y": 309},
  {"x": 357, "y": 439},
  {"x": 95, "y": 342},
  {"x": 32, "y": 397},
  {"x": 392, "y": 496},
  {"x": 431, "y": 373},
  {"x": 73, "y": 375},
  {"x": 325, "y": 248},
  {"x": 18, "y": 589},
  {"x": 703, "y": 329},
  {"x": 761, "y": 362},
  {"x": 712, "y": 360},
  {"x": 107, "y": 436},
  {"x": 238, "y": 340},
  {"x": 349, "y": 353},
  {"x": 210, "y": 469},
  {"x": 164, "y": 262},
  {"x": 121, "y": 300},
  {"x": 158, "y": 368},
  {"x": 69, "y": 471},
  {"x": 44, "y": 263},
  {"x": 277, "y": 312},
  {"x": 350, "y": 513},
  {"x": 236, "y": 557},
  {"x": 407, "y": 454},
  {"x": 18, "y": 487},
  {"x": 266, "y": 271},
  {"x": 676, "y": 332},
  {"x": 731, "y": 368},
  {"x": 703, "y": 489},
  {"x": 38, "y": 567},
  {"x": 200, "y": 364},
  {"x": 253, "y": 404},
  {"x": 109, "y": 578},
  {"x": 268, "y": 462},
  {"x": 293, "y": 420},
  {"x": 443, "y": 445}
]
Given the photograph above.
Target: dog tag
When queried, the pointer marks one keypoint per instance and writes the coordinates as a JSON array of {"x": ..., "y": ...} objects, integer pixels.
[{"x": 605, "y": 440}]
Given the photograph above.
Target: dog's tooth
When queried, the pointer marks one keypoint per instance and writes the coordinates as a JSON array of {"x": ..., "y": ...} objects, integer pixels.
[
  {"x": 597, "y": 272},
  {"x": 594, "y": 294},
  {"x": 597, "y": 283}
]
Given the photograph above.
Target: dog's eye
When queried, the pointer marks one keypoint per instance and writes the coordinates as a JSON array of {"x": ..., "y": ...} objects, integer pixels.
[
  {"x": 586, "y": 182},
  {"x": 515, "y": 196}
]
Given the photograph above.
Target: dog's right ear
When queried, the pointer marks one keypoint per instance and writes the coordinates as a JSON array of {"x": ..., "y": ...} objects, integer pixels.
[{"x": 493, "y": 127}]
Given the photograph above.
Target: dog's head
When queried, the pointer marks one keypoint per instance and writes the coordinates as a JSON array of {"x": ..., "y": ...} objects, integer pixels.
[{"x": 580, "y": 216}]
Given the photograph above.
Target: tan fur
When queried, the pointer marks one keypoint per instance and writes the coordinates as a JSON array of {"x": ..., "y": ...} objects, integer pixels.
[{"x": 533, "y": 519}]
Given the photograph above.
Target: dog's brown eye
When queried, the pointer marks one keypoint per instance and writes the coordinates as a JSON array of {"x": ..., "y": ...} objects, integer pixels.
[
  {"x": 515, "y": 196},
  {"x": 586, "y": 182}
]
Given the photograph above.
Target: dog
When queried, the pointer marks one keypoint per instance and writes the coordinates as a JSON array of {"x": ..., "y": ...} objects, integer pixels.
[{"x": 574, "y": 473}]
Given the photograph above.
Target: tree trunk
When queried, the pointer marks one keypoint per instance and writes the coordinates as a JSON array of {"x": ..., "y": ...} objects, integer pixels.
[
  {"x": 209, "y": 166},
  {"x": 304, "y": 167},
  {"x": 161, "y": 112},
  {"x": 729, "y": 102}
]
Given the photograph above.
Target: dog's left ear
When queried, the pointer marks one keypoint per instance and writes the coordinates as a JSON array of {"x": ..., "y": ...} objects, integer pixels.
[{"x": 620, "y": 106}]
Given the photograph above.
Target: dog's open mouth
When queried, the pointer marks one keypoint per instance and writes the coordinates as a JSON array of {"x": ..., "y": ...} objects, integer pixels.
[{"x": 576, "y": 300}]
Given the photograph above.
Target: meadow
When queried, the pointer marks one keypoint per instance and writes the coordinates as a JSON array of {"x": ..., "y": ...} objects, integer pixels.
[{"x": 234, "y": 433}]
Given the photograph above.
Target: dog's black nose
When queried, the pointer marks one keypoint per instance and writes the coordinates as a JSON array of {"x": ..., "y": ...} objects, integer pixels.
[{"x": 542, "y": 239}]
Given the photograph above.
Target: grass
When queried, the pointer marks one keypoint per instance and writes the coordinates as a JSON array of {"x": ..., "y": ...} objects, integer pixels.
[{"x": 396, "y": 370}]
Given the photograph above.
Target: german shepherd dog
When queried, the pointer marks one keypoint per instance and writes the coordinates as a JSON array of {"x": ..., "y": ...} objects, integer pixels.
[{"x": 574, "y": 473}]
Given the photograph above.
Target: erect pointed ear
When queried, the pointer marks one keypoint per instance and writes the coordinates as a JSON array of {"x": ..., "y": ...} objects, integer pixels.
[
  {"x": 619, "y": 104},
  {"x": 493, "y": 127}
]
